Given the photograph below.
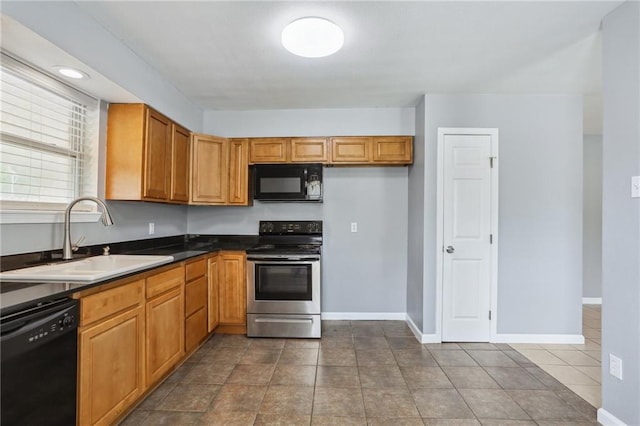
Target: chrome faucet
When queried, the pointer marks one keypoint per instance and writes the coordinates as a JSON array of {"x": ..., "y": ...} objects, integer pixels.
[{"x": 67, "y": 251}]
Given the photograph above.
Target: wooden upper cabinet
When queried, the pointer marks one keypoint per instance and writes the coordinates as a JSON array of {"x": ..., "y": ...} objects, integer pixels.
[
  {"x": 309, "y": 150},
  {"x": 393, "y": 149},
  {"x": 268, "y": 150},
  {"x": 372, "y": 150},
  {"x": 238, "y": 193},
  {"x": 351, "y": 150},
  {"x": 140, "y": 149},
  {"x": 180, "y": 163},
  {"x": 157, "y": 164},
  {"x": 209, "y": 169}
]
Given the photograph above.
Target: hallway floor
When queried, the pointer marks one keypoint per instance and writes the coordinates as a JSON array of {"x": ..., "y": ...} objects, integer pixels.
[
  {"x": 359, "y": 373},
  {"x": 576, "y": 366}
]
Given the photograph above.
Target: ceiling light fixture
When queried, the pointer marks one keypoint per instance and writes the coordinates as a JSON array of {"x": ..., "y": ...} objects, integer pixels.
[
  {"x": 72, "y": 73},
  {"x": 312, "y": 37}
]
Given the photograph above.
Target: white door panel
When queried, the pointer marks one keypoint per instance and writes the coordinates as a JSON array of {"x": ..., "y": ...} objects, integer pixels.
[{"x": 466, "y": 232}]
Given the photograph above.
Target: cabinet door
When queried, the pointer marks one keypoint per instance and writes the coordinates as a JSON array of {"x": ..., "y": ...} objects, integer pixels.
[
  {"x": 392, "y": 149},
  {"x": 350, "y": 149},
  {"x": 209, "y": 169},
  {"x": 180, "y": 141},
  {"x": 165, "y": 333},
  {"x": 111, "y": 374},
  {"x": 268, "y": 150},
  {"x": 157, "y": 153},
  {"x": 232, "y": 289},
  {"x": 309, "y": 150},
  {"x": 195, "y": 329},
  {"x": 214, "y": 298},
  {"x": 238, "y": 172}
]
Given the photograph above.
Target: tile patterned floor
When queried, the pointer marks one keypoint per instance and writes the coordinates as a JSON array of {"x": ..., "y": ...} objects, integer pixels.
[
  {"x": 576, "y": 366},
  {"x": 359, "y": 373}
]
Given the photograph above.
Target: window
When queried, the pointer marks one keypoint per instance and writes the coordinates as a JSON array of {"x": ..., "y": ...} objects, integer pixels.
[{"x": 48, "y": 139}]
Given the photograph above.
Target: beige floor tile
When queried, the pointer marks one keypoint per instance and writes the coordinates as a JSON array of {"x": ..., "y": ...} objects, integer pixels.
[
  {"x": 557, "y": 347},
  {"x": 575, "y": 357},
  {"x": 594, "y": 372},
  {"x": 541, "y": 357},
  {"x": 568, "y": 375},
  {"x": 597, "y": 355},
  {"x": 589, "y": 345},
  {"x": 519, "y": 346},
  {"x": 591, "y": 394},
  {"x": 592, "y": 333}
]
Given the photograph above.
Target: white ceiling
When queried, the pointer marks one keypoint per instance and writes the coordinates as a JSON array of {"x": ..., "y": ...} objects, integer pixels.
[{"x": 228, "y": 56}]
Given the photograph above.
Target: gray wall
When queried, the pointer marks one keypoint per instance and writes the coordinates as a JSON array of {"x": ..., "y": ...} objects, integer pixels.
[
  {"x": 416, "y": 221},
  {"x": 364, "y": 272},
  {"x": 592, "y": 217},
  {"x": 621, "y": 213},
  {"x": 540, "y": 205},
  {"x": 131, "y": 223}
]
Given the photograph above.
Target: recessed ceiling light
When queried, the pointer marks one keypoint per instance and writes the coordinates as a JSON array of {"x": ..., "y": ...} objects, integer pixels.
[
  {"x": 312, "y": 37},
  {"x": 72, "y": 73}
]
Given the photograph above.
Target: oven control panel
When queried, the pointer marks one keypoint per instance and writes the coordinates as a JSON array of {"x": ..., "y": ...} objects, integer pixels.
[{"x": 299, "y": 227}]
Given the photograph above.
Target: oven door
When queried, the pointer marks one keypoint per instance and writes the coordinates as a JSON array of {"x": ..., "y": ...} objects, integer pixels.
[{"x": 283, "y": 284}]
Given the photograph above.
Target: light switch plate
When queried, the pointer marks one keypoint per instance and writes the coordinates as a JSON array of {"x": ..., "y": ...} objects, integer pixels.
[
  {"x": 354, "y": 226},
  {"x": 152, "y": 228},
  {"x": 635, "y": 186}
]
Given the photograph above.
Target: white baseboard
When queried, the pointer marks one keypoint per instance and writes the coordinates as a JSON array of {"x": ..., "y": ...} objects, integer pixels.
[
  {"x": 422, "y": 338},
  {"x": 371, "y": 316},
  {"x": 570, "y": 339},
  {"x": 607, "y": 419},
  {"x": 592, "y": 300}
]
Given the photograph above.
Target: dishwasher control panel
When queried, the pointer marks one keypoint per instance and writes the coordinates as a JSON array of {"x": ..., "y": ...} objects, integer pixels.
[{"x": 62, "y": 322}]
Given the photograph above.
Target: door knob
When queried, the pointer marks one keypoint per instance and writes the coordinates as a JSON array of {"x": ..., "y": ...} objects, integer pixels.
[{"x": 450, "y": 249}]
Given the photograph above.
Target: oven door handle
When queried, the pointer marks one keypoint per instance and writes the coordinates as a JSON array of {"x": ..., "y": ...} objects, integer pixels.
[
  {"x": 285, "y": 320},
  {"x": 282, "y": 260}
]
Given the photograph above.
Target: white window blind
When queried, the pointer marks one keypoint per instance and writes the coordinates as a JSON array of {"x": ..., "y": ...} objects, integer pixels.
[{"x": 48, "y": 139}]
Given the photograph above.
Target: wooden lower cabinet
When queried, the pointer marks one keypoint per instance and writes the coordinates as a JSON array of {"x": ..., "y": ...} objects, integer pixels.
[
  {"x": 111, "y": 359},
  {"x": 214, "y": 299},
  {"x": 196, "y": 300},
  {"x": 228, "y": 305},
  {"x": 165, "y": 332}
]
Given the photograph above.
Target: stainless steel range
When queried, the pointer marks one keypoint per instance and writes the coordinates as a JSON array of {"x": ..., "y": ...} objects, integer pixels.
[{"x": 283, "y": 280}]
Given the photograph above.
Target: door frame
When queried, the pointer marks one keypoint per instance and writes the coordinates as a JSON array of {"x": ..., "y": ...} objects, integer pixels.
[{"x": 493, "y": 133}]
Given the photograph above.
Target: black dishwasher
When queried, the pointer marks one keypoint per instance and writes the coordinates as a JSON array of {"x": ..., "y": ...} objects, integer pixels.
[{"x": 39, "y": 364}]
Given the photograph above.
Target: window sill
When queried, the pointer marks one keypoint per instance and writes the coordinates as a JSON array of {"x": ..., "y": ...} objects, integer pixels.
[{"x": 41, "y": 216}]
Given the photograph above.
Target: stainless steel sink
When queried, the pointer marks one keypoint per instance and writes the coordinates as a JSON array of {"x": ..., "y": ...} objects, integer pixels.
[{"x": 86, "y": 270}]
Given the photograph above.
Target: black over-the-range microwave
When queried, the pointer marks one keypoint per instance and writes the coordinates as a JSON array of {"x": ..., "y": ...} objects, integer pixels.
[{"x": 287, "y": 182}]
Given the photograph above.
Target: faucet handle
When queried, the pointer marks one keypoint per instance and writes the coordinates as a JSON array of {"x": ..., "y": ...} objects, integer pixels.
[
  {"x": 105, "y": 250},
  {"x": 76, "y": 246}
]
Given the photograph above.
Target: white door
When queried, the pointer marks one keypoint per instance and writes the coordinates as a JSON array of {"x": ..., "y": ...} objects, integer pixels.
[{"x": 467, "y": 222}]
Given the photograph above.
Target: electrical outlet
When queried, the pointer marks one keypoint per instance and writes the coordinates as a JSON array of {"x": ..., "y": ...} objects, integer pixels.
[
  {"x": 635, "y": 186},
  {"x": 615, "y": 366},
  {"x": 354, "y": 226},
  {"x": 152, "y": 228}
]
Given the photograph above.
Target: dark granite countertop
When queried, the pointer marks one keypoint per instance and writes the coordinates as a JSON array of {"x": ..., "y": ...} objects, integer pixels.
[{"x": 15, "y": 296}]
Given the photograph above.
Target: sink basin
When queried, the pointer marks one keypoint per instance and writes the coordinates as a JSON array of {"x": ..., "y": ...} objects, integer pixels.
[{"x": 86, "y": 270}]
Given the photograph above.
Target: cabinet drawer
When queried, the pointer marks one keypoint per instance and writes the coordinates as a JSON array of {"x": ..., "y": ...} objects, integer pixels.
[
  {"x": 196, "y": 269},
  {"x": 195, "y": 329},
  {"x": 196, "y": 295},
  {"x": 165, "y": 281},
  {"x": 108, "y": 302}
]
